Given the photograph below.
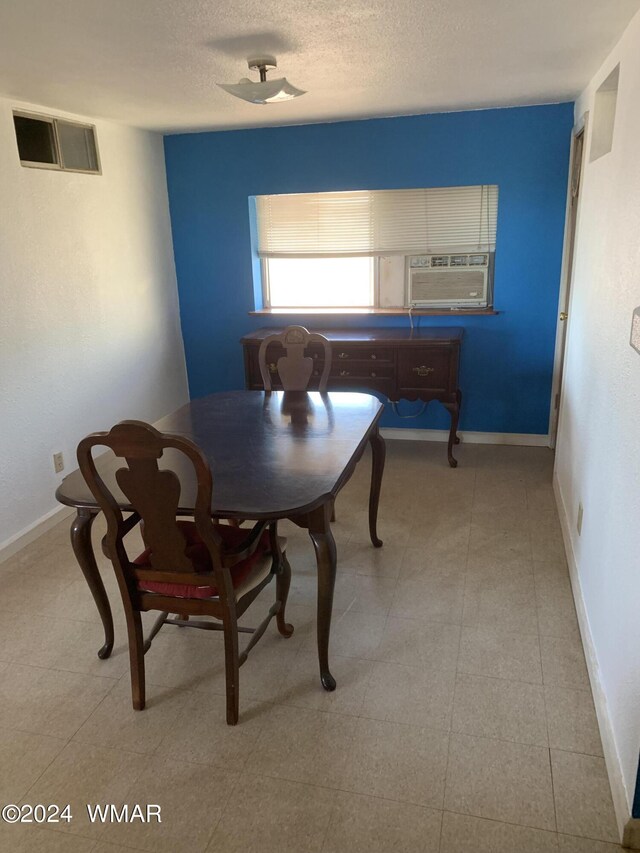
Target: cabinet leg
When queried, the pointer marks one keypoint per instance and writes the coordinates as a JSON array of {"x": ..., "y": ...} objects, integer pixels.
[
  {"x": 454, "y": 411},
  {"x": 456, "y": 440}
]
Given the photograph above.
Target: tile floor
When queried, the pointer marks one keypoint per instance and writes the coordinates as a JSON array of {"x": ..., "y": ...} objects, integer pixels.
[{"x": 462, "y": 723}]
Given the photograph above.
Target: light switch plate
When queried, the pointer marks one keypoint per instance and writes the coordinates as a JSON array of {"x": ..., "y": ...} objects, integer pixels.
[{"x": 635, "y": 330}]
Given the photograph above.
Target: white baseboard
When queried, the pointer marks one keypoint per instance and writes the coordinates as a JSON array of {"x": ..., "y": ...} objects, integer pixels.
[
  {"x": 29, "y": 534},
  {"x": 521, "y": 439},
  {"x": 611, "y": 757}
]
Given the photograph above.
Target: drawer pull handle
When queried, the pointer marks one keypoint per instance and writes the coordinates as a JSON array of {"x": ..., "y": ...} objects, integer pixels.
[
  {"x": 344, "y": 373},
  {"x": 423, "y": 370},
  {"x": 273, "y": 367},
  {"x": 373, "y": 355},
  {"x": 373, "y": 374},
  {"x": 315, "y": 355},
  {"x": 343, "y": 355}
]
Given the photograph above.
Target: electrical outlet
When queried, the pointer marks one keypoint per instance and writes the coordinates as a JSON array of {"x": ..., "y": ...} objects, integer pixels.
[
  {"x": 58, "y": 462},
  {"x": 579, "y": 522}
]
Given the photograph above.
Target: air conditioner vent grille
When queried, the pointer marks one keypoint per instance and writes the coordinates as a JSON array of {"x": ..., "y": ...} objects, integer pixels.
[{"x": 447, "y": 280}]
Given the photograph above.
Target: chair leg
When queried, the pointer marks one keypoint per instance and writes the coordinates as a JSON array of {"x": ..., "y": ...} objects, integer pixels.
[
  {"x": 333, "y": 511},
  {"x": 283, "y": 582},
  {"x": 232, "y": 669},
  {"x": 136, "y": 659}
]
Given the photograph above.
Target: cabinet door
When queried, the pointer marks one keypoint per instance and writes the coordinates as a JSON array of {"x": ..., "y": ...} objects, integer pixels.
[{"x": 426, "y": 369}]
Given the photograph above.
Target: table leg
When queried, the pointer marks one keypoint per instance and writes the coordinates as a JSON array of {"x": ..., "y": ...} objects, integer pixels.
[
  {"x": 83, "y": 549},
  {"x": 325, "y": 548},
  {"x": 454, "y": 411},
  {"x": 378, "y": 453}
]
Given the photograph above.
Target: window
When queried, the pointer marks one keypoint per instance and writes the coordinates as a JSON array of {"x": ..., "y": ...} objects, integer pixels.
[
  {"x": 51, "y": 143},
  {"x": 325, "y": 250},
  {"x": 320, "y": 282}
]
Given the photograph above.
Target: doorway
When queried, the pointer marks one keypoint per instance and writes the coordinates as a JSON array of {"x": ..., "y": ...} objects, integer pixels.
[{"x": 576, "y": 166}]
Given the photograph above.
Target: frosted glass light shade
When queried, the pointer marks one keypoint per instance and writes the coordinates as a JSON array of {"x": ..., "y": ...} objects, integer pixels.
[{"x": 263, "y": 92}]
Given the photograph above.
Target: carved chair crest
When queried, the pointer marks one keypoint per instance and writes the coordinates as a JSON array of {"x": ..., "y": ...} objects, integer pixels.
[
  {"x": 153, "y": 493},
  {"x": 294, "y": 368}
]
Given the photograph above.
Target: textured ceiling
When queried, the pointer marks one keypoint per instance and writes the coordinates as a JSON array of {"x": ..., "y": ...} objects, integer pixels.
[{"x": 154, "y": 63}]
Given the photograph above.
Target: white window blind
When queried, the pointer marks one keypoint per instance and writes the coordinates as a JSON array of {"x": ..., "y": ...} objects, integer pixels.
[{"x": 378, "y": 222}]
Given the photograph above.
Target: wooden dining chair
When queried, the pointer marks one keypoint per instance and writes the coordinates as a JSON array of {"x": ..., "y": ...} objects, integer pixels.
[
  {"x": 294, "y": 368},
  {"x": 188, "y": 568}
]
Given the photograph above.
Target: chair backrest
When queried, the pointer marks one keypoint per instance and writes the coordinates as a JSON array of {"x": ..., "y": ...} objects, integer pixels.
[
  {"x": 295, "y": 369},
  {"x": 154, "y": 495}
]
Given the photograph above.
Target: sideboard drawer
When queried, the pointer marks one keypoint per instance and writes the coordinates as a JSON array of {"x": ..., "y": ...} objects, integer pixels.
[
  {"x": 362, "y": 369},
  {"x": 425, "y": 368},
  {"x": 276, "y": 351},
  {"x": 372, "y": 353}
]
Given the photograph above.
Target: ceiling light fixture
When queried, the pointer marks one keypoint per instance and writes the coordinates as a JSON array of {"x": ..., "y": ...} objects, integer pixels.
[{"x": 263, "y": 91}]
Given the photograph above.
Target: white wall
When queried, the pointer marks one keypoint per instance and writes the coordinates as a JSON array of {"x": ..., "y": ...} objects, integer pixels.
[
  {"x": 598, "y": 451},
  {"x": 89, "y": 323}
]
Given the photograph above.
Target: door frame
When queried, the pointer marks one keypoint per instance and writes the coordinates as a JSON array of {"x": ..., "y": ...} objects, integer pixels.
[{"x": 566, "y": 277}]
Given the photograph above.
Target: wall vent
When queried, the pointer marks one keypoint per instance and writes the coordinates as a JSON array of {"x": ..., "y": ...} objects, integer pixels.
[{"x": 46, "y": 142}]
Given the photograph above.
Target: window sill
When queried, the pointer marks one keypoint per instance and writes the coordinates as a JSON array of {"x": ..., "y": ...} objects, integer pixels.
[{"x": 382, "y": 312}]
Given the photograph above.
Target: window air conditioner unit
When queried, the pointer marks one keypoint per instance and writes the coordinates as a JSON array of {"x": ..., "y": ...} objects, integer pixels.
[{"x": 448, "y": 281}]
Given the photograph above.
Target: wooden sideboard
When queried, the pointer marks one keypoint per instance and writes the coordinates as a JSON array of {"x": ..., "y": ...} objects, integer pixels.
[{"x": 398, "y": 364}]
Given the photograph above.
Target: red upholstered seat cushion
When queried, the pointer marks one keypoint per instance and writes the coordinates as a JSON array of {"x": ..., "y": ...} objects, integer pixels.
[{"x": 197, "y": 552}]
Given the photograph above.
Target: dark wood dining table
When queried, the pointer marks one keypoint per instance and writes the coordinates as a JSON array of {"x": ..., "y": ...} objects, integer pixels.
[{"x": 277, "y": 455}]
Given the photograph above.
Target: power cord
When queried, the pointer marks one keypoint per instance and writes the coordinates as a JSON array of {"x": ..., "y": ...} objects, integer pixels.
[{"x": 394, "y": 408}]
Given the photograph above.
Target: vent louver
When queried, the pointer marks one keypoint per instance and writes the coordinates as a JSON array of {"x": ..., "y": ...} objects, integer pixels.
[{"x": 447, "y": 280}]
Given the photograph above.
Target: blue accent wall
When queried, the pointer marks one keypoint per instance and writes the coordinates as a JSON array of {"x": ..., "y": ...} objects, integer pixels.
[{"x": 507, "y": 359}]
